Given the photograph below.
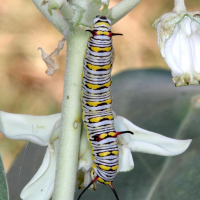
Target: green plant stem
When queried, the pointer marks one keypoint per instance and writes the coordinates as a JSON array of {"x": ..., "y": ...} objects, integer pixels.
[
  {"x": 121, "y": 9},
  {"x": 69, "y": 138}
]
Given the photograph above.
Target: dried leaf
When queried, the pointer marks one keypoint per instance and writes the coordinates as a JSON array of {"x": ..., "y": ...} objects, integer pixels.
[{"x": 52, "y": 66}]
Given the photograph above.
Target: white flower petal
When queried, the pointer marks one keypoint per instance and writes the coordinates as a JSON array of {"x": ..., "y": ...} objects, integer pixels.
[
  {"x": 36, "y": 129},
  {"x": 85, "y": 155},
  {"x": 148, "y": 142},
  {"x": 184, "y": 55},
  {"x": 85, "y": 161},
  {"x": 145, "y": 147},
  {"x": 179, "y": 48},
  {"x": 87, "y": 180},
  {"x": 125, "y": 159},
  {"x": 185, "y": 26},
  {"x": 41, "y": 185},
  {"x": 195, "y": 42},
  {"x": 172, "y": 53}
]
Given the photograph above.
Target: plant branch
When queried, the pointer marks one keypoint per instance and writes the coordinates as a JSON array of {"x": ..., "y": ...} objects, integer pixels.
[
  {"x": 57, "y": 20},
  {"x": 69, "y": 138},
  {"x": 121, "y": 9}
]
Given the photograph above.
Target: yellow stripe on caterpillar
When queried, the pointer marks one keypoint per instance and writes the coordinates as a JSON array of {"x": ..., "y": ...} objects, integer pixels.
[
  {"x": 95, "y": 68},
  {"x": 88, "y": 135},
  {"x": 92, "y": 150},
  {"x": 107, "y": 183},
  {"x": 102, "y": 23},
  {"x": 94, "y": 87},
  {"x": 106, "y": 33},
  {"x": 102, "y": 33},
  {"x": 115, "y": 152},
  {"x": 101, "y": 180},
  {"x": 103, "y": 135},
  {"x": 83, "y": 115},
  {"x": 104, "y": 167},
  {"x": 93, "y": 158},
  {"x": 104, "y": 154},
  {"x": 91, "y": 103},
  {"x": 94, "y": 166},
  {"x": 115, "y": 167},
  {"x": 97, "y": 49},
  {"x": 97, "y": 119},
  {"x": 112, "y": 134}
]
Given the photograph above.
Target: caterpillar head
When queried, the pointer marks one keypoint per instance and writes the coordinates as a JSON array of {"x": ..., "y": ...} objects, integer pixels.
[
  {"x": 101, "y": 23},
  {"x": 101, "y": 28}
]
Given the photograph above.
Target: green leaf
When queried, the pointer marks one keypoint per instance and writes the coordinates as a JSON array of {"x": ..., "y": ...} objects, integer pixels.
[{"x": 3, "y": 183}]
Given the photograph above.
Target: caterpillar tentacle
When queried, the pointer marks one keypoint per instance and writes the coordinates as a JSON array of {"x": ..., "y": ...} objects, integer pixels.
[
  {"x": 88, "y": 187},
  {"x": 114, "y": 191}
]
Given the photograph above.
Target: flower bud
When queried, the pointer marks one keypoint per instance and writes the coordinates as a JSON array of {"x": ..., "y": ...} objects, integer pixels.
[{"x": 179, "y": 43}]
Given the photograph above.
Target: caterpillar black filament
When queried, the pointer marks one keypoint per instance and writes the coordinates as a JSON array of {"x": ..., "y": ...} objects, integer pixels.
[{"x": 96, "y": 102}]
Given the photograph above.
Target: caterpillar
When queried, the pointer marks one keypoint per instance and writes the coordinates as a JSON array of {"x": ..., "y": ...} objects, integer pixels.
[{"x": 96, "y": 104}]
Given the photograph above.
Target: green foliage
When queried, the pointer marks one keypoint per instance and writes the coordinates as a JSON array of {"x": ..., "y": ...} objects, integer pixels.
[{"x": 3, "y": 183}]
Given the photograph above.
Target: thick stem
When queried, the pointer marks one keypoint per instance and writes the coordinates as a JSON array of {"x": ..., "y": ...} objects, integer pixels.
[
  {"x": 179, "y": 6},
  {"x": 121, "y": 9},
  {"x": 67, "y": 163}
]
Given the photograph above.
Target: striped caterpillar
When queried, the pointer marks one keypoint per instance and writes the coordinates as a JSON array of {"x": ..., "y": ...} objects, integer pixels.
[{"x": 96, "y": 103}]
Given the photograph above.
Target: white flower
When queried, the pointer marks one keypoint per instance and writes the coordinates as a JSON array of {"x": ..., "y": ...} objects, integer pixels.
[
  {"x": 44, "y": 130},
  {"x": 38, "y": 130},
  {"x": 179, "y": 43}
]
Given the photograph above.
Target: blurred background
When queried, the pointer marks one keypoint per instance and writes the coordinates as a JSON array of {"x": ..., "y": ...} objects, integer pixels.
[{"x": 25, "y": 87}]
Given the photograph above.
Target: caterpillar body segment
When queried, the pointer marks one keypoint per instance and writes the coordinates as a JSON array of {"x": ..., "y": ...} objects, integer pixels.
[
  {"x": 97, "y": 99},
  {"x": 96, "y": 103}
]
